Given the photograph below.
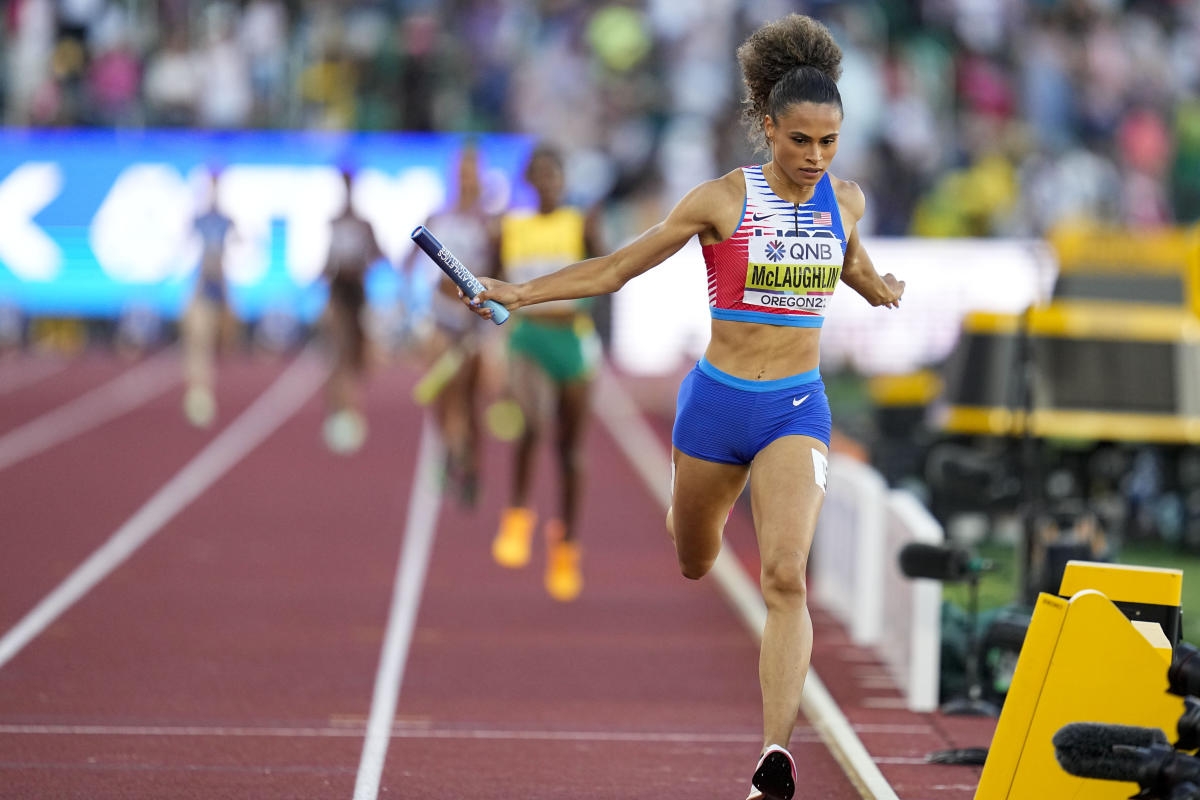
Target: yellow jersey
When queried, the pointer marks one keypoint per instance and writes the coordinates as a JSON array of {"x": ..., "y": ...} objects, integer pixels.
[{"x": 533, "y": 245}]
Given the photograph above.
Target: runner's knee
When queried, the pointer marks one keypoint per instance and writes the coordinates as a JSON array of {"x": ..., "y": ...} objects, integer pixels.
[
  {"x": 784, "y": 581},
  {"x": 694, "y": 568},
  {"x": 696, "y": 550}
]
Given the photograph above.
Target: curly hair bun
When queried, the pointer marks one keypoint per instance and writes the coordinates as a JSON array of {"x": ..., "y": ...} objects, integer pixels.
[{"x": 779, "y": 47}]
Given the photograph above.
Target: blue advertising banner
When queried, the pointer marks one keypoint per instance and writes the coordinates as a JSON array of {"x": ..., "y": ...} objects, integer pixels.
[{"x": 93, "y": 222}]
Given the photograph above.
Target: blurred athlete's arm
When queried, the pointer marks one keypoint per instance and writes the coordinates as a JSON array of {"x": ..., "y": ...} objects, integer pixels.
[{"x": 695, "y": 214}]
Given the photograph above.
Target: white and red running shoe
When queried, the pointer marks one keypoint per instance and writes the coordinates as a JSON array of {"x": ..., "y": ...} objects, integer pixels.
[{"x": 775, "y": 775}]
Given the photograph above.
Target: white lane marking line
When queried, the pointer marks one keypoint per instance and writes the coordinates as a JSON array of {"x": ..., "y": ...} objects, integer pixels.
[
  {"x": 634, "y": 436},
  {"x": 279, "y": 402},
  {"x": 397, "y": 731},
  {"x": 420, "y": 527},
  {"x": 637, "y": 440},
  {"x": 94, "y": 764},
  {"x": 124, "y": 393},
  {"x": 885, "y": 702},
  {"x": 898, "y": 730},
  {"x": 26, "y": 374},
  {"x": 175, "y": 730},
  {"x": 424, "y": 730}
]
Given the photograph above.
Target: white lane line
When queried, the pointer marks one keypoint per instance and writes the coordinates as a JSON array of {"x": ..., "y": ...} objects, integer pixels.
[
  {"x": 397, "y": 731},
  {"x": 282, "y": 399},
  {"x": 424, "y": 730},
  {"x": 897, "y": 703},
  {"x": 27, "y": 373},
  {"x": 176, "y": 730},
  {"x": 639, "y": 442},
  {"x": 420, "y": 527},
  {"x": 124, "y": 393},
  {"x": 94, "y": 764}
]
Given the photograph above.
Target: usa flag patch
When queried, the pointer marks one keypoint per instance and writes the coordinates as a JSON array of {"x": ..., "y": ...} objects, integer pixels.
[{"x": 822, "y": 218}]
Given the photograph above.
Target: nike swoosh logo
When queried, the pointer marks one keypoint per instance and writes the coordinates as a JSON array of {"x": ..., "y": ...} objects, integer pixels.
[
  {"x": 761, "y": 217},
  {"x": 796, "y": 402}
]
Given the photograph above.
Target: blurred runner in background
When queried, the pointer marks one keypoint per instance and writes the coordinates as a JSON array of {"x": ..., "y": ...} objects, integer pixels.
[
  {"x": 208, "y": 322},
  {"x": 553, "y": 353},
  {"x": 453, "y": 382},
  {"x": 352, "y": 250}
]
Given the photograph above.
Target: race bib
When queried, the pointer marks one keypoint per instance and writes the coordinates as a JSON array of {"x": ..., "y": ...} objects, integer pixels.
[{"x": 797, "y": 273}]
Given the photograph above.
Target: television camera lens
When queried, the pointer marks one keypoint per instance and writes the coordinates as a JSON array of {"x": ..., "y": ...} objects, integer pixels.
[
  {"x": 1183, "y": 676},
  {"x": 1188, "y": 726}
]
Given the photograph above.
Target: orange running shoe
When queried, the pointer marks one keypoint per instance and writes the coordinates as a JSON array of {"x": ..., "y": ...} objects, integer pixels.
[
  {"x": 510, "y": 548},
  {"x": 564, "y": 581}
]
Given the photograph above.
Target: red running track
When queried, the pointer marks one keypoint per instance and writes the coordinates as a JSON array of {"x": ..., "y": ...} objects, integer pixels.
[{"x": 235, "y": 652}]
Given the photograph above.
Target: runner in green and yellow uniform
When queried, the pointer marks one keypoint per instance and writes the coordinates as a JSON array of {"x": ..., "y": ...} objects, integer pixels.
[{"x": 553, "y": 355}]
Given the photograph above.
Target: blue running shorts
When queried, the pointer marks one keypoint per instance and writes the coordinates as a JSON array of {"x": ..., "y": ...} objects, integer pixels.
[{"x": 728, "y": 420}]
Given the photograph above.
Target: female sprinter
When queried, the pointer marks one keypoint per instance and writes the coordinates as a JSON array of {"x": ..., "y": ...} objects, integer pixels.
[
  {"x": 775, "y": 238},
  {"x": 353, "y": 249},
  {"x": 553, "y": 351},
  {"x": 208, "y": 324},
  {"x": 456, "y": 345}
]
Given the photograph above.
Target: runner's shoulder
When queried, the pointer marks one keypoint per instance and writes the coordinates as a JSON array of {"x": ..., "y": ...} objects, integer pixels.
[
  {"x": 849, "y": 195},
  {"x": 722, "y": 195}
]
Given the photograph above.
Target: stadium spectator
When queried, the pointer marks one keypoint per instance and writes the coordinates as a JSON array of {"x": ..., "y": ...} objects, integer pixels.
[{"x": 1037, "y": 101}]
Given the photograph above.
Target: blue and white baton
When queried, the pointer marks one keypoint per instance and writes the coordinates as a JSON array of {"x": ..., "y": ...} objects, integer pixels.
[{"x": 454, "y": 268}]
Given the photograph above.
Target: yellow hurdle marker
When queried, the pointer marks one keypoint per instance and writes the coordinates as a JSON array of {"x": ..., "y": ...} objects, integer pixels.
[{"x": 1083, "y": 660}]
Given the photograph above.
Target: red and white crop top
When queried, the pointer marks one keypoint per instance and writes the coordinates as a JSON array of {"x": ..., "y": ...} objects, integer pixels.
[{"x": 782, "y": 263}]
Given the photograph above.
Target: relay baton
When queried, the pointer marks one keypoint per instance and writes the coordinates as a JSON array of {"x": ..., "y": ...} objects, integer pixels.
[{"x": 458, "y": 273}]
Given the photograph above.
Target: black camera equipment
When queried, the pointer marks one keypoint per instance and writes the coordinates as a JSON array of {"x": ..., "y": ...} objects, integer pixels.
[
  {"x": 1188, "y": 726},
  {"x": 949, "y": 563},
  {"x": 940, "y": 562},
  {"x": 1130, "y": 754},
  {"x": 1183, "y": 679},
  {"x": 1183, "y": 676}
]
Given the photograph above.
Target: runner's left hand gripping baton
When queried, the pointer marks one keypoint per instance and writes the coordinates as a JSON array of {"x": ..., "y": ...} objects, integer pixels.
[{"x": 458, "y": 273}]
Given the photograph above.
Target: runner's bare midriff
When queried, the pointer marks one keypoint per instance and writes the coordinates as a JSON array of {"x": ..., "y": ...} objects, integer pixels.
[{"x": 758, "y": 352}]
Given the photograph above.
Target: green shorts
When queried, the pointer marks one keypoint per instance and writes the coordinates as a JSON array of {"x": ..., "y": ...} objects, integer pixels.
[{"x": 564, "y": 351}]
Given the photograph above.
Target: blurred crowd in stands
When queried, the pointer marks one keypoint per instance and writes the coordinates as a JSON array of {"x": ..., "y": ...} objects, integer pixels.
[{"x": 963, "y": 118}]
